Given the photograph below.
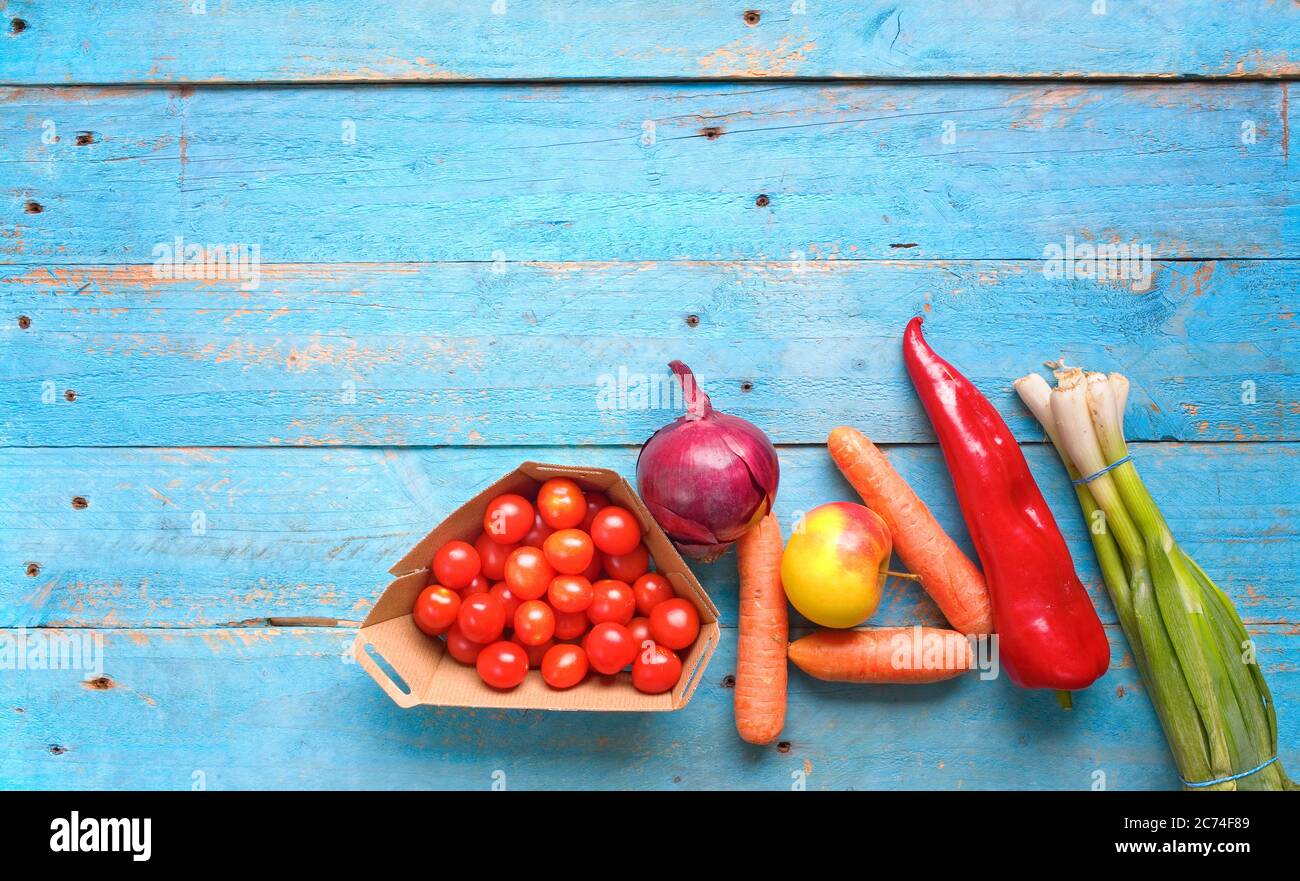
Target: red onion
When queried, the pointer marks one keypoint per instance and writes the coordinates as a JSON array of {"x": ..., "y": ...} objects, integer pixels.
[{"x": 706, "y": 477}]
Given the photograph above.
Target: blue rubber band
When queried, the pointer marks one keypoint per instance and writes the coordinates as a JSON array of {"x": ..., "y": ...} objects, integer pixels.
[
  {"x": 1091, "y": 477},
  {"x": 1231, "y": 777}
]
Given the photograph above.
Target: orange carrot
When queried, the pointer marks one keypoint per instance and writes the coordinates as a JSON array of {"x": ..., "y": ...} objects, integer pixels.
[
  {"x": 945, "y": 572},
  {"x": 883, "y": 655},
  {"x": 760, "y": 653}
]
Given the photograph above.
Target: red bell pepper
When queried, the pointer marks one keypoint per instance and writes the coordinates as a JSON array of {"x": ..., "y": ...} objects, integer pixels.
[{"x": 1049, "y": 635}]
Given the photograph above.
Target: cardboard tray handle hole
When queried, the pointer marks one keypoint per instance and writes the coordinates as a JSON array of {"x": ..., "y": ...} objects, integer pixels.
[
  {"x": 697, "y": 672},
  {"x": 382, "y": 672}
]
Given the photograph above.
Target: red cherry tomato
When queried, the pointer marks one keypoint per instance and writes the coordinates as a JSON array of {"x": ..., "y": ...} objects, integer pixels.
[
  {"x": 478, "y": 585},
  {"x": 435, "y": 609},
  {"x": 534, "y": 622},
  {"x": 596, "y": 570},
  {"x": 502, "y": 664},
  {"x": 656, "y": 669},
  {"x": 569, "y": 593},
  {"x": 609, "y": 647},
  {"x": 611, "y": 601},
  {"x": 456, "y": 564},
  {"x": 535, "y": 653},
  {"x": 493, "y": 556},
  {"x": 615, "y": 530},
  {"x": 569, "y": 551},
  {"x": 461, "y": 647},
  {"x": 482, "y": 617},
  {"x": 630, "y": 566},
  {"x": 640, "y": 630},
  {"x": 561, "y": 503},
  {"x": 564, "y": 666},
  {"x": 595, "y": 501},
  {"x": 508, "y": 519},
  {"x": 651, "y": 589},
  {"x": 675, "y": 623},
  {"x": 509, "y": 601},
  {"x": 571, "y": 625},
  {"x": 528, "y": 573},
  {"x": 538, "y": 535}
]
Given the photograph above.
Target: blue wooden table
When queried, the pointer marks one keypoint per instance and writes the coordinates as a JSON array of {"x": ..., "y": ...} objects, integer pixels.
[{"x": 462, "y": 218}]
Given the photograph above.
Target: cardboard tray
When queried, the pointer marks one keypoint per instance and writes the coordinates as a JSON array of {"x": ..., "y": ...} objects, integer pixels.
[{"x": 431, "y": 678}]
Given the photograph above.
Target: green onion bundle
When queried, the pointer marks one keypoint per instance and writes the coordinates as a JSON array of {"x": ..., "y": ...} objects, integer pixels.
[{"x": 1187, "y": 640}]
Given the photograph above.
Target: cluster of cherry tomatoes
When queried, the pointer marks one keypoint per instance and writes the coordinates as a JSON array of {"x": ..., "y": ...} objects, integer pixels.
[{"x": 563, "y": 585}]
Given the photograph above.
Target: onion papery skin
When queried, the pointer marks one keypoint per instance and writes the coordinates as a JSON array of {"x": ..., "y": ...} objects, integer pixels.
[{"x": 707, "y": 477}]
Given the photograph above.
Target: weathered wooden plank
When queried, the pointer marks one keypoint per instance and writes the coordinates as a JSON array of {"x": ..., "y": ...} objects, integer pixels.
[
  {"x": 328, "y": 40},
  {"x": 269, "y": 709},
  {"x": 461, "y": 353},
  {"x": 648, "y": 172},
  {"x": 202, "y": 537}
]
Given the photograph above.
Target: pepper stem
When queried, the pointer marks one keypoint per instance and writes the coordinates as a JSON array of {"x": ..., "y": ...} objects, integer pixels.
[
  {"x": 698, "y": 405},
  {"x": 1065, "y": 699}
]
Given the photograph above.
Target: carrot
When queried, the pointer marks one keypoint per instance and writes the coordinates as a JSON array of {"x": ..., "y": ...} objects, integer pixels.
[
  {"x": 760, "y": 654},
  {"x": 945, "y": 572},
  {"x": 883, "y": 655}
]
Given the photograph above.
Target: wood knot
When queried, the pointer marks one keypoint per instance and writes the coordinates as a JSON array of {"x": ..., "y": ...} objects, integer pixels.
[
  {"x": 712, "y": 132},
  {"x": 56, "y": 749},
  {"x": 84, "y": 138},
  {"x": 762, "y": 201},
  {"x": 100, "y": 683},
  {"x": 33, "y": 207},
  {"x": 17, "y": 25},
  {"x": 728, "y": 681},
  {"x": 33, "y": 569},
  {"x": 70, "y": 395},
  {"x": 746, "y": 386},
  {"x": 692, "y": 321},
  {"x": 752, "y": 17},
  {"x": 24, "y": 322},
  {"x": 80, "y": 503},
  {"x": 783, "y": 747}
]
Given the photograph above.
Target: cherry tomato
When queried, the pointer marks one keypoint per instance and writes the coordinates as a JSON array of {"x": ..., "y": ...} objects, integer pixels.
[
  {"x": 571, "y": 625},
  {"x": 609, "y": 647},
  {"x": 561, "y": 503},
  {"x": 538, "y": 535},
  {"x": 528, "y": 573},
  {"x": 456, "y": 564},
  {"x": 595, "y": 501},
  {"x": 569, "y": 551},
  {"x": 461, "y": 647},
  {"x": 535, "y": 653},
  {"x": 596, "y": 570},
  {"x": 509, "y": 601},
  {"x": 493, "y": 556},
  {"x": 435, "y": 609},
  {"x": 482, "y": 617},
  {"x": 508, "y": 519},
  {"x": 675, "y": 623},
  {"x": 478, "y": 585},
  {"x": 569, "y": 593},
  {"x": 615, "y": 530},
  {"x": 502, "y": 664},
  {"x": 651, "y": 589},
  {"x": 630, "y": 566},
  {"x": 656, "y": 669},
  {"x": 534, "y": 622},
  {"x": 564, "y": 666},
  {"x": 640, "y": 630},
  {"x": 611, "y": 601}
]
